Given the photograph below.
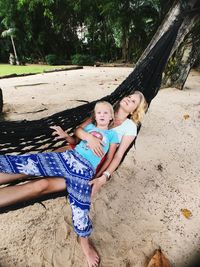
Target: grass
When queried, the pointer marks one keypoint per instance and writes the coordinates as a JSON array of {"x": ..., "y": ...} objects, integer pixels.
[{"x": 6, "y": 69}]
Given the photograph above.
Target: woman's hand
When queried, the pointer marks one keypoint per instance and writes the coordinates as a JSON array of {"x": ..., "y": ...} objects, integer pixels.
[
  {"x": 97, "y": 183},
  {"x": 59, "y": 133},
  {"x": 95, "y": 144}
]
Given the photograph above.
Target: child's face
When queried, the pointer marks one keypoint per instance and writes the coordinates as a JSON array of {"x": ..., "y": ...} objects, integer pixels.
[{"x": 103, "y": 115}]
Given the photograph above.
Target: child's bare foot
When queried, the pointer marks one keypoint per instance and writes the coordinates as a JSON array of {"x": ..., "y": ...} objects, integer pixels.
[{"x": 90, "y": 252}]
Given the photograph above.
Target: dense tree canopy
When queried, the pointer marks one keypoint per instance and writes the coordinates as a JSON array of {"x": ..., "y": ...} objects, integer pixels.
[{"x": 104, "y": 29}]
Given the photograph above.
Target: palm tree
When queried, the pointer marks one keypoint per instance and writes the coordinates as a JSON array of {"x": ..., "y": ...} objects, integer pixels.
[{"x": 10, "y": 33}]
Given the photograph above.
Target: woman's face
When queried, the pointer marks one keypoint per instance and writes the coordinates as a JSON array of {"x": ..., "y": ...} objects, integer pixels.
[{"x": 130, "y": 103}]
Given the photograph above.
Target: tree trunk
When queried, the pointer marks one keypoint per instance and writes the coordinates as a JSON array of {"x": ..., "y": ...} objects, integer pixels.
[
  {"x": 181, "y": 62},
  {"x": 1, "y": 101},
  {"x": 186, "y": 26},
  {"x": 15, "y": 53},
  {"x": 166, "y": 23},
  {"x": 124, "y": 50},
  {"x": 125, "y": 45}
]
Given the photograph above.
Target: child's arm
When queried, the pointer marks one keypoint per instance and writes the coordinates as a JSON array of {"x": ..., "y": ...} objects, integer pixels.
[{"x": 61, "y": 134}]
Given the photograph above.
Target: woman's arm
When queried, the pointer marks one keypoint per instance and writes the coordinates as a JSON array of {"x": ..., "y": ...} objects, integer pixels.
[
  {"x": 94, "y": 143},
  {"x": 98, "y": 182},
  {"x": 108, "y": 159},
  {"x": 124, "y": 144}
]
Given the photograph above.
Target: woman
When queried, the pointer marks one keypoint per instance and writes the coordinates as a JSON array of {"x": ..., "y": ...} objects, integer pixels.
[
  {"x": 128, "y": 115},
  {"x": 132, "y": 106}
]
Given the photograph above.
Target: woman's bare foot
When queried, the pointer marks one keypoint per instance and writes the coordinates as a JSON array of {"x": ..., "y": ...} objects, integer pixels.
[{"x": 90, "y": 252}]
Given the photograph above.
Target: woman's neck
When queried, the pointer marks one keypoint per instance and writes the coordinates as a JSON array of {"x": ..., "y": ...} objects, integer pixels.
[{"x": 120, "y": 117}]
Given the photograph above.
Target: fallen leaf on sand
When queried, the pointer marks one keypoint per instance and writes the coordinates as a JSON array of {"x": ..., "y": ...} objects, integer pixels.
[
  {"x": 158, "y": 260},
  {"x": 186, "y": 213},
  {"x": 186, "y": 116}
]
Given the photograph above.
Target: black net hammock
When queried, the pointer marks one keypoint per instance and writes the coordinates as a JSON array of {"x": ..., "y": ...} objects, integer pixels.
[{"x": 24, "y": 136}]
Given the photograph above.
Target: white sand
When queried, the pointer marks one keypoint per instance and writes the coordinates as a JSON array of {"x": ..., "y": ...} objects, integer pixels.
[{"x": 140, "y": 209}]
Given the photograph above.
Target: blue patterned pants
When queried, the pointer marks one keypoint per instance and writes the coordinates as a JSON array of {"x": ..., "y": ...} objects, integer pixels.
[{"x": 76, "y": 170}]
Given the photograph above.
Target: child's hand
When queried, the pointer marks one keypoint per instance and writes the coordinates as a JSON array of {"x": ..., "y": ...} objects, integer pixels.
[
  {"x": 58, "y": 131},
  {"x": 97, "y": 184}
]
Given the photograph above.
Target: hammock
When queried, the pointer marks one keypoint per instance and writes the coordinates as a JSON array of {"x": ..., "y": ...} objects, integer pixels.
[{"x": 34, "y": 136}]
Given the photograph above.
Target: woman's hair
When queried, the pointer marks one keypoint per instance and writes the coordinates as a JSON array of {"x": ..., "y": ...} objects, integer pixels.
[
  {"x": 138, "y": 114},
  {"x": 110, "y": 108}
]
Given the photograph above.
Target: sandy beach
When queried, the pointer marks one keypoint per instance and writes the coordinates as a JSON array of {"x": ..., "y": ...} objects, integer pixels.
[{"x": 139, "y": 210}]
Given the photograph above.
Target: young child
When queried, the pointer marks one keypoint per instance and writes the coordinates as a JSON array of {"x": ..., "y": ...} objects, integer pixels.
[{"x": 76, "y": 166}]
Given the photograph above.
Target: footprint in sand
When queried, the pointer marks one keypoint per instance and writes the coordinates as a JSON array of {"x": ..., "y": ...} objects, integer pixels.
[{"x": 115, "y": 262}]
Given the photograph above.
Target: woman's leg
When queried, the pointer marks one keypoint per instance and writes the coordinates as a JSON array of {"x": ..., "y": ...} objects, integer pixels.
[
  {"x": 6, "y": 178},
  {"x": 30, "y": 190}
]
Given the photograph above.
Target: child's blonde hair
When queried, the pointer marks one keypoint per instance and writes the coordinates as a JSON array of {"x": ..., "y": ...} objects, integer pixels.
[
  {"x": 138, "y": 114},
  {"x": 110, "y": 108}
]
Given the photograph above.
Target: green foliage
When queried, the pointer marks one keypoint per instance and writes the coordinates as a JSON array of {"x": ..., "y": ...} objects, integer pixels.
[
  {"x": 82, "y": 60},
  {"x": 112, "y": 29},
  {"x": 51, "y": 59}
]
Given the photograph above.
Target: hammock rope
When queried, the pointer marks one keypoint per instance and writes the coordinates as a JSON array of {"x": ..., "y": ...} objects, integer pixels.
[{"x": 33, "y": 136}]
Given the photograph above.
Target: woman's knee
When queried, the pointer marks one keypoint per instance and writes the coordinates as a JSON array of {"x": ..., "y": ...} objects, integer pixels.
[
  {"x": 40, "y": 186},
  {"x": 48, "y": 185}
]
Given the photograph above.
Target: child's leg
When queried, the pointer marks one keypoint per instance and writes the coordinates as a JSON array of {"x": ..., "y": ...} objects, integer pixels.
[
  {"x": 30, "y": 190},
  {"x": 90, "y": 252},
  {"x": 83, "y": 227},
  {"x": 19, "y": 167},
  {"x": 81, "y": 221},
  {"x": 6, "y": 178},
  {"x": 42, "y": 165}
]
